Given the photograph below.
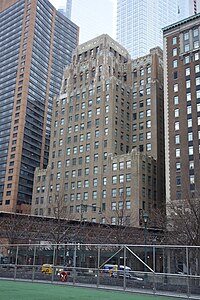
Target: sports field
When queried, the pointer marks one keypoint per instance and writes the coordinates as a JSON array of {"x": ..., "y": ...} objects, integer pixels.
[{"x": 12, "y": 290}]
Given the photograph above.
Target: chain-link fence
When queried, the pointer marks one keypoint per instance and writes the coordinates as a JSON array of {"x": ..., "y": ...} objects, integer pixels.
[{"x": 167, "y": 270}]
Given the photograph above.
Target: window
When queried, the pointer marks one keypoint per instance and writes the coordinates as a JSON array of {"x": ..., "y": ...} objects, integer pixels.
[
  {"x": 94, "y": 197},
  {"x": 198, "y": 81},
  {"x": 196, "y": 44},
  {"x": 88, "y": 136},
  {"x": 98, "y": 111},
  {"x": 148, "y": 113},
  {"x": 141, "y": 137},
  {"x": 174, "y": 40},
  {"x": 191, "y": 165},
  {"x": 114, "y": 192},
  {"x": 87, "y": 170},
  {"x": 121, "y": 165},
  {"x": 141, "y": 114},
  {"x": 175, "y": 63},
  {"x": 197, "y": 68},
  {"x": 114, "y": 166},
  {"x": 176, "y": 125},
  {"x": 190, "y": 136},
  {"x": 174, "y": 52},
  {"x": 75, "y": 150},
  {"x": 176, "y": 87},
  {"x": 178, "y": 152},
  {"x": 87, "y": 159},
  {"x": 148, "y": 91},
  {"x": 188, "y": 96},
  {"x": 128, "y": 204},
  {"x": 95, "y": 182},
  {"x": 86, "y": 183},
  {"x": 113, "y": 220},
  {"x": 190, "y": 150},
  {"x": 196, "y": 56},
  {"x": 128, "y": 191},
  {"x": 189, "y": 122},
  {"x": 186, "y": 47},
  {"x": 148, "y": 124},
  {"x": 148, "y": 102},
  {"x": 177, "y": 139},
  {"x": 104, "y": 180},
  {"x": 187, "y": 84},
  {"x": 121, "y": 178},
  {"x": 176, "y": 113},
  {"x": 192, "y": 179},
  {"x": 176, "y": 101},
  {"x": 178, "y": 180},
  {"x": 148, "y": 135},
  {"x": 96, "y": 156},
  {"x": 113, "y": 206},
  {"x": 187, "y": 59},
  {"x": 114, "y": 179},
  {"x": 148, "y": 147},
  {"x": 178, "y": 166}
]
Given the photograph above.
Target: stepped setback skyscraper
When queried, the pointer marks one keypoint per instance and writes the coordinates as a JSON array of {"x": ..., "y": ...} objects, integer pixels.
[{"x": 106, "y": 138}]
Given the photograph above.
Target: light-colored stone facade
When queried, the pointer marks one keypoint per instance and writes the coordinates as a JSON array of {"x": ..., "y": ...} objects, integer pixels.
[{"x": 95, "y": 171}]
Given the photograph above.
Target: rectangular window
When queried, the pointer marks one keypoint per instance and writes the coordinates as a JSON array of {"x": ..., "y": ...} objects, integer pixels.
[{"x": 176, "y": 87}]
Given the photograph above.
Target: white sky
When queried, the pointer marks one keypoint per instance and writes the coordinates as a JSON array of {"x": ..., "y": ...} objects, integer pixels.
[
  {"x": 61, "y": 3},
  {"x": 94, "y": 17}
]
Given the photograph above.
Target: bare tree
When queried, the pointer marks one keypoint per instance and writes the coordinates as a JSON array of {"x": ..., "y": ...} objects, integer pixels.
[{"x": 184, "y": 221}]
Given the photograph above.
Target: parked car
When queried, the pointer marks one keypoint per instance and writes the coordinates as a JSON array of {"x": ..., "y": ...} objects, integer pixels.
[
  {"x": 48, "y": 269},
  {"x": 128, "y": 275}
]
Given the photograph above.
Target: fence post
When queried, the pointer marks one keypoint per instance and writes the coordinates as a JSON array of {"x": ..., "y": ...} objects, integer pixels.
[
  {"x": 16, "y": 258},
  {"x": 74, "y": 265},
  {"x": 124, "y": 282},
  {"x": 98, "y": 264},
  {"x": 54, "y": 252},
  {"x": 188, "y": 273},
  {"x": 154, "y": 269},
  {"x": 33, "y": 270}
]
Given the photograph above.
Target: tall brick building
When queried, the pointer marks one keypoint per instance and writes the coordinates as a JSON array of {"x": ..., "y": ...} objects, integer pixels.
[
  {"x": 182, "y": 108},
  {"x": 36, "y": 43},
  {"x": 106, "y": 138}
]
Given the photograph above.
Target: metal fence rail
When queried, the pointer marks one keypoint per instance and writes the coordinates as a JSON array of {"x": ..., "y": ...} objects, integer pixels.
[{"x": 166, "y": 270}]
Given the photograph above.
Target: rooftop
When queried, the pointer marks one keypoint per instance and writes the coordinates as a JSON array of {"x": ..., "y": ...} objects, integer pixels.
[{"x": 179, "y": 23}]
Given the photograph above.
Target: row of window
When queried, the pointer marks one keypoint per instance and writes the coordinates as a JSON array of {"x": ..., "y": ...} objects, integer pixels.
[{"x": 190, "y": 151}]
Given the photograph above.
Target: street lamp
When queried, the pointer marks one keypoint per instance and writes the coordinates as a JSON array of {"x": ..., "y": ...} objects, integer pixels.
[{"x": 145, "y": 220}]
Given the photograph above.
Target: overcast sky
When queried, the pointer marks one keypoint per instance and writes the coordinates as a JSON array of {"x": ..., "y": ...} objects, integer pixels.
[
  {"x": 94, "y": 17},
  {"x": 61, "y": 3}
]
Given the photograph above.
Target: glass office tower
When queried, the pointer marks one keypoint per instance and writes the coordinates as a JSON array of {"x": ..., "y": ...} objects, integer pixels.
[
  {"x": 140, "y": 23},
  {"x": 36, "y": 43}
]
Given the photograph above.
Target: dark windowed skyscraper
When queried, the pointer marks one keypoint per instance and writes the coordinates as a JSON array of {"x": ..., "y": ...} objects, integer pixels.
[{"x": 36, "y": 43}]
